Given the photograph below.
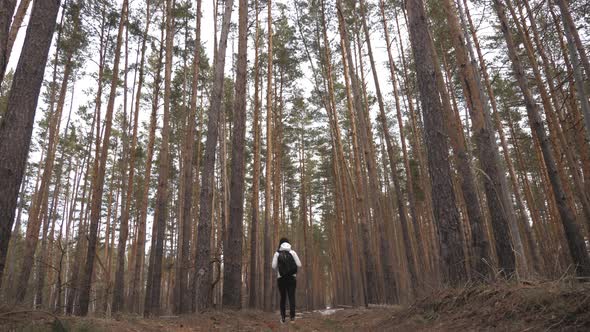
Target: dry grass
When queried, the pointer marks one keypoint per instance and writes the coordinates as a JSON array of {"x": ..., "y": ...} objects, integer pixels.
[
  {"x": 505, "y": 306},
  {"x": 530, "y": 306}
]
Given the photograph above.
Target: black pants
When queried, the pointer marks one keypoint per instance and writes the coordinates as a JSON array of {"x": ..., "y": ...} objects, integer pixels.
[{"x": 287, "y": 287}]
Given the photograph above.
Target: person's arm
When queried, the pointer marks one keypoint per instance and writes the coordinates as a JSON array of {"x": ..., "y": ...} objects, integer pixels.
[
  {"x": 296, "y": 258},
  {"x": 274, "y": 260}
]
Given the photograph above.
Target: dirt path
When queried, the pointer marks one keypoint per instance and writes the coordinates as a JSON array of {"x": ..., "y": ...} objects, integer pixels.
[
  {"x": 548, "y": 306},
  {"x": 245, "y": 320}
]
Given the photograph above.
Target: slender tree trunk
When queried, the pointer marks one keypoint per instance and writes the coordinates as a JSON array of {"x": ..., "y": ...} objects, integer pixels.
[
  {"x": 495, "y": 184},
  {"x": 74, "y": 282},
  {"x": 153, "y": 306},
  {"x": 98, "y": 183},
  {"x": 17, "y": 124},
  {"x": 341, "y": 172},
  {"x": 574, "y": 238},
  {"x": 495, "y": 113},
  {"x": 39, "y": 209},
  {"x": 136, "y": 284},
  {"x": 363, "y": 151},
  {"x": 118, "y": 292},
  {"x": 232, "y": 272},
  {"x": 574, "y": 43},
  {"x": 409, "y": 178},
  {"x": 384, "y": 248},
  {"x": 187, "y": 175},
  {"x": 254, "y": 290},
  {"x": 46, "y": 248},
  {"x": 267, "y": 275},
  {"x": 17, "y": 23},
  {"x": 202, "y": 279},
  {"x": 119, "y": 287},
  {"x": 6, "y": 11}
]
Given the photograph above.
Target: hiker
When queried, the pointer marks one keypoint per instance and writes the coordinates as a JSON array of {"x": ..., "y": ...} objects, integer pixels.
[{"x": 286, "y": 262}]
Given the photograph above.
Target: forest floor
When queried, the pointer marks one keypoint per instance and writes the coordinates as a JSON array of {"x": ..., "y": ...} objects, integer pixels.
[{"x": 548, "y": 306}]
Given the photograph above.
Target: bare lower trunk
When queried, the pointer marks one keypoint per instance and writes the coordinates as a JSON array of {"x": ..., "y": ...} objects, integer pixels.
[
  {"x": 575, "y": 241},
  {"x": 443, "y": 197},
  {"x": 232, "y": 272},
  {"x": 153, "y": 306},
  {"x": 202, "y": 278},
  {"x": 254, "y": 291},
  {"x": 17, "y": 124},
  {"x": 98, "y": 183}
]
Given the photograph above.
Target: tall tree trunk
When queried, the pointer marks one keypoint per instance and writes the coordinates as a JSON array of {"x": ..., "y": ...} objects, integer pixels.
[
  {"x": 39, "y": 207},
  {"x": 119, "y": 288},
  {"x": 495, "y": 184},
  {"x": 409, "y": 178},
  {"x": 17, "y": 124},
  {"x": 184, "y": 260},
  {"x": 98, "y": 183},
  {"x": 202, "y": 279},
  {"x": 443, "y": 198},
  {"x": 232, "y": 272},
  {"x": 267, "y": 275},
  {"x": 575, "y": 43},
  {"x": 136, "y": 284},
  {"x": 362, "y": 151},
  {"x": 46, "y": 252},
  {"x": 17, "y": 23},
  {"x": 554, "y": 119},
  {"x": 254, "y": 290},
  {"x": 384, "y": 248},
  {"x": 6, "y": 11},
  {"x": 574, "y": 238},
  {"x": 358, "y": 187},
  {"x": 341, "y": 172},
  {"x": 127, "y": 160},
  {"x": 74, "y": 279},
  {"x": 152, "y": 303},
  {"x": 495, "y": 113}
]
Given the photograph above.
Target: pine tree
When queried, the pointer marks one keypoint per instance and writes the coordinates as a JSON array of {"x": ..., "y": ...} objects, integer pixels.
[
  {"x": 443, "y": 197},
  {"x": 17, "y": 124},
  {"x": 99, "y": 175},
  {"x": 202, "y": 274},
  {"x": 232, "y": 272}
]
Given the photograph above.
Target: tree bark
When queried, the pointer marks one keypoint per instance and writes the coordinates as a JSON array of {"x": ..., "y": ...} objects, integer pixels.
[
  {"x": 495, "y": 184},
  {"x": 39, "y": 212},
  {"x": 98, "y": 183},
  {"x": 17, "y": 124},
  {"x": 17, "y": 23},
  {"x": 202, "y": 279},
  {"x": 6, "y": 11},
  {"x": 267, "y": 274},
  {"x": 443, "y": 197},
  {"x": 573, "y": 37},
  {"x": 254, "y": 290},
  {"x": 136, "y": 287},
  {"x": 184, "y": 258},
  {"x": 575, "y": 241},
  {"x": 119, "y": 288},
  {"x": 153, "y": 306},
  {"x": 392, "y": 153},
  {"x": 232, "y": 272}
]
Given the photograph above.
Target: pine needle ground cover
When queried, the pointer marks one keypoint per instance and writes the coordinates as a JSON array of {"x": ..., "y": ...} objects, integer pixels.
[{"x": 538, "y": 306}]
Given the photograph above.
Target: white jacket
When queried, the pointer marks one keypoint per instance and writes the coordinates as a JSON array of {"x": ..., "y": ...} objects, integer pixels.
[{"x": 285, "y": 247}]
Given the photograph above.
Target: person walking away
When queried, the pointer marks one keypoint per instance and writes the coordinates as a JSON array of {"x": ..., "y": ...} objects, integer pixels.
[{"x": 286, "y": 262}]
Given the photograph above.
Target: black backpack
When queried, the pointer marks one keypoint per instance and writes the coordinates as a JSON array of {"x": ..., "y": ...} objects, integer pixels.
[{"x": 286, "y": 263}]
